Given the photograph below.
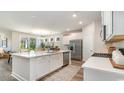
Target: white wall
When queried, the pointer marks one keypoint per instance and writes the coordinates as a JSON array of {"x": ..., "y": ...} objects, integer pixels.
[
  {"x": 88, "y": 40},
  {"x": 72, "y": 36},
  {"x": 92, "y": 41},
  {"x": 99, "y": 45},
  {"x": 56, "y": 43},
  {"x": 16, "y": 38},
  {"x": 8, "y": 35},
  {"x": 64, "y": 40},
  {"x": 15, "y": 41}
]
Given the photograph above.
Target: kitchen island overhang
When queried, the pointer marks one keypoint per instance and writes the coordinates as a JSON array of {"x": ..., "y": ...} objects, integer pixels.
[{"x": 31, "y": 67}]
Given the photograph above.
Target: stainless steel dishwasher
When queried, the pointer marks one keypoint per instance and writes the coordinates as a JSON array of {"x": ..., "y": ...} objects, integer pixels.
[{"x": 65, "y": 58}]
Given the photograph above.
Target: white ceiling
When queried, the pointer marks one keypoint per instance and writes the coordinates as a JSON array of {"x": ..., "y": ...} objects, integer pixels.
[{"x": 57, "y": 21}]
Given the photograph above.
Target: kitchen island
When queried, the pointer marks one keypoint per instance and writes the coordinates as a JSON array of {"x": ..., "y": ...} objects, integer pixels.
[
  {"x": 30, "y": 67},
  {"x": 100, "y": 69}
]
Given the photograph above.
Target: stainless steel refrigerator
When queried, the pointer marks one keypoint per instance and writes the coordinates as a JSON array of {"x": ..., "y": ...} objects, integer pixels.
[{"x": 76, "y": 49}]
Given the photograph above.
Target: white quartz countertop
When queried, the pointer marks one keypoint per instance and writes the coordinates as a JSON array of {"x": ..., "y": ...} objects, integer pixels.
[
  {"x": 37, "y": 54},
  {"x": 100, "y": 63}
]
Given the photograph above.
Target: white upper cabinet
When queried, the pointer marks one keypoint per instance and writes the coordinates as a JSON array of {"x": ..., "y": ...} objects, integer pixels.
[
  {"x": 106, "y": 25},
  {"x": 112, "y": 24},
  {"x": 118, "y": 23}
]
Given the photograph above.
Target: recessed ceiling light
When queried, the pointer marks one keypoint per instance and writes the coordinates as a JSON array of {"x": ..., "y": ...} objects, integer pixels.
[
  {"x": 41, "y": 31},
  {"x": 68, "y": 29},
  {"x": 74, "y": 15},
  {"x": 33, "y": 16},
  {"x": 80, "y": 22}
]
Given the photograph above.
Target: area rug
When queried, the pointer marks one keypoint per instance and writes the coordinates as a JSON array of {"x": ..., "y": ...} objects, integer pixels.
[{"x": 65, "y": 74}]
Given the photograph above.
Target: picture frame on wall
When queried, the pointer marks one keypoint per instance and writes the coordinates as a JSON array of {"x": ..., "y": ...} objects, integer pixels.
[
  {"x": 51, "y": 39},
  {"x": 58, "y": 39}
]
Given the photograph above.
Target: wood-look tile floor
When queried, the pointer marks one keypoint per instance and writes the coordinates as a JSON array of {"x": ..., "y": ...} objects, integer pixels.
[{"x": 77, "y": 77}]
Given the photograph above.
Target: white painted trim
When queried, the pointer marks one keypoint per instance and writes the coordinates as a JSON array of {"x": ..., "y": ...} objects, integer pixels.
[{"x": 18, "y": 77}]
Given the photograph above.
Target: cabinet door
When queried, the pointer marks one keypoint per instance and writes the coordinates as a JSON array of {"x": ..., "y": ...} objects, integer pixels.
[
  {"x": 33, "y": 69},
  {"x": 107, "y": 22},
  {"x": 56, "y": 61},
  {"x": 43, "y": 66},
  {"x": 118, "y": 23}
]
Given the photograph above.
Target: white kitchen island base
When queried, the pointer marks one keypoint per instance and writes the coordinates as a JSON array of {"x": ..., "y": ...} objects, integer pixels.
[{"x": 30, "y": 68}]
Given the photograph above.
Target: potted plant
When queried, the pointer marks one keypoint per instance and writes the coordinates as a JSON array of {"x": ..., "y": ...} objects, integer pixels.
[
  {"x": 21, "y": 46},
  {"x": 43, "y": 46},
  {"x": 32, "y": 45}
]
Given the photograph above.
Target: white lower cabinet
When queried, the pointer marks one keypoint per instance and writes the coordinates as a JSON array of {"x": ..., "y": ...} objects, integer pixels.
[
  {"x": 43, "y": 66},
  {"x": 56, "y": 61},
  {"x": 33, "y": 67},
  {"x": 39, "y": 67}
]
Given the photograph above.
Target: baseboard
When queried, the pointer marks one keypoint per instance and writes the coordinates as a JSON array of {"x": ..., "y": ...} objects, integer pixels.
[{"x": 18, "y": 77}]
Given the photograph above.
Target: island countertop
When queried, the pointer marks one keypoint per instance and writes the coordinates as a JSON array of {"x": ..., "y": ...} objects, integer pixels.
[{"x": 38, "y": 54}]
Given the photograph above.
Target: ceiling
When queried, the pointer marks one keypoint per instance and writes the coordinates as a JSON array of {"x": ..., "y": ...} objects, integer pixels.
[{"x": 39, "y": 21}]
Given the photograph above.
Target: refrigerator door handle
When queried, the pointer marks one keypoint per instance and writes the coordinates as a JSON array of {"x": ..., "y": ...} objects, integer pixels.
[{"x": 74, "y": 47}]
